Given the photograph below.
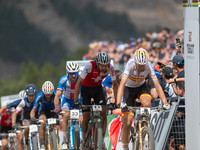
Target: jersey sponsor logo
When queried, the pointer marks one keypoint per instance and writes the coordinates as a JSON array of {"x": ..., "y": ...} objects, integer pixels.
[{"x": 63, "y": 80}]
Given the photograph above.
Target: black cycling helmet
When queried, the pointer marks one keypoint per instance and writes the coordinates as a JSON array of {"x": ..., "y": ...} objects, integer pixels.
[
  {"x": 30, "y": 89},
  {"x": 102, "y": 58}
]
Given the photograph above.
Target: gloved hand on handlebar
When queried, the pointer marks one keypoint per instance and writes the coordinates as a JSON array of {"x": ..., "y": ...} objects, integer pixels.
[
  {"x": 122, "y": 105},
  {"x": 76, "y": 105},
  {"x": 14, "y": 126},
  {"x": 57, "y": 109},
  {"x": 33, "y": 119},
  {"x": 166, "y": 106}
]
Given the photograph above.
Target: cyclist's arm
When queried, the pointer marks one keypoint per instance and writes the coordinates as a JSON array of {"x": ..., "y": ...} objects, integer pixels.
[
  {"x": 32, "y": 113},
  {"x": 14, "y": 116},
  {"x": 17, "y": 110},
  {"x": 57, "y": 98},
  {"x": 160, "y": 91},
  {"x": 77, "y": 87},
  {"x": 120, "y": 90},
  {"x": 115, "y": 87},
  {"x": 2, "y": 109}
]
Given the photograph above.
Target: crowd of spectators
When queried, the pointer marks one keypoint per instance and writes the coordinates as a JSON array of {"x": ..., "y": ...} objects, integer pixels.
[{"x": 167, "y": 59}]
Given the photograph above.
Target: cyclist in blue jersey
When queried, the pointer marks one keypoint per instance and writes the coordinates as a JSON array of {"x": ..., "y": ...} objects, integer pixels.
[
  {"x": 44, "y": 103},
  {"x": 26, "y": 104},
  {"x": 67, "y": 86}
]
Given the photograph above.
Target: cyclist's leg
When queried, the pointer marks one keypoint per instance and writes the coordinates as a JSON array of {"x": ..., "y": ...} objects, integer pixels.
[
  {"x": 26, "y": 122},
  {"x": 42, "y": 129},
  {"x": 4, "y": 144},
  {"x": 65, "y": 107},
  {"x": 19, "y": 139},
  {"x": 145, "y": 96},
  {"x": 99, "y": 99},
  {"x": 130, "y": 94}
]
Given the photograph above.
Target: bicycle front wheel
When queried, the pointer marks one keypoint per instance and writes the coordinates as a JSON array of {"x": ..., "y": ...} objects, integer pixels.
[
  {"x": 148, "y": 141},
  {"x": 76, "y": 137},
  {"x": 53, "y": 142},
  {"x": 98, "y": 136},
  {"x": 35, "y": 145}
]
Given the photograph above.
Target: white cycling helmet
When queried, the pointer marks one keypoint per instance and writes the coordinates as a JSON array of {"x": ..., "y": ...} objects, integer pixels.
[
  {"x": 102, "y": 58},
  {"x": 72, "y": 67},
  {"x": 22, "y": 94},
  {"x": 141, "y": 56},
  {"x": 48, "y": 87}
]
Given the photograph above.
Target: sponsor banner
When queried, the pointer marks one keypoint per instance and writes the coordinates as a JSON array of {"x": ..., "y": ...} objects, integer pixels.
[
  {"x": 9, "y": 99},
  {"x": 160, "y": 124}
]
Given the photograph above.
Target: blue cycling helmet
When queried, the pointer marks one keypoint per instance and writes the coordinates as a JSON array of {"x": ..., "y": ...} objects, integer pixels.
[{"x": 30, "y": 89}]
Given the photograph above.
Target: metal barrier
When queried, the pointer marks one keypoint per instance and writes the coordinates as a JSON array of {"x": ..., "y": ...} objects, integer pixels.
[{"x": 176, "y": 138}]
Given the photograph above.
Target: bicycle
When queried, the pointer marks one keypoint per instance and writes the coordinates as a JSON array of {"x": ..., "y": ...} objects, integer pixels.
[
  {"x": 52, "y": 132},
  {"x": 94, "y": 135},
  {"x": 12, "y": 144},
  {"x": 34, "y": 142},
  {"x": 75, "y": 136},
  {"x": 142, "y": 135}
]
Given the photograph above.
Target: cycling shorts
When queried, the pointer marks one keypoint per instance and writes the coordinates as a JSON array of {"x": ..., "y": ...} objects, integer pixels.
[
  {"x": 67, "y": 103},
  {"x": 92, "y": 92},
  {"x": 131, "y": 94}
]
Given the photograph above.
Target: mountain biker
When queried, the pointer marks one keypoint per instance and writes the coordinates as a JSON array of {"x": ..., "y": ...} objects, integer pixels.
[
  {"x": 133, "y": 86},
  {"x": 44, "y": 99},
  {"x": 6, "y": 118},
  {"x": 91, "y": 79},
  {"x": 66, "y": 85},
  {"x": 26, "y": 105}
]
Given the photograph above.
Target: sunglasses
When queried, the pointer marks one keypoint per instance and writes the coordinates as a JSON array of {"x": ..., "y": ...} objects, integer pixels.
[
  {"x": 73, "y": 73},
  {"x": 47, "y": 95}
]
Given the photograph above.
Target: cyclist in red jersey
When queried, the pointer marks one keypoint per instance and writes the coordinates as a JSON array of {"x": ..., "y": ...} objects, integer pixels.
[{"x": 90, "y": 81}]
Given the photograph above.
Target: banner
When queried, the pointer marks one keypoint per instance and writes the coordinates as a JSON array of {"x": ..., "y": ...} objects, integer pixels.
[{"x": 160, "y": 124}]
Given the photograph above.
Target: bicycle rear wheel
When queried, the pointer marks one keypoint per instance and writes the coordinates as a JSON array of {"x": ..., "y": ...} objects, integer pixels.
[
  {"x": 148, "y": 141},
  {"x": 53, "y": 142},
  {"x": 76, "y": 137},
  {"x": 98, "y": 136}
]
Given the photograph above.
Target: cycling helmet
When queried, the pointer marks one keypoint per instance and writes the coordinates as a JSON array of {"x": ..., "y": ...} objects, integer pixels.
[
  {"x": 72, "y": 67},
  {"x": 102, "y": 58},
  {"x": 141, "y": 56},
  {"x": 22, "y": 94},
  {"x": 30, "y": 89},
  {"x": 48, "y": 87}
]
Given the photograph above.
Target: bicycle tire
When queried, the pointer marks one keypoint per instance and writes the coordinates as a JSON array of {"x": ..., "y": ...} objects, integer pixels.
[
  {"x": 76, "y": 137},
  {"x": 53, "y": 144},
  {"x": 98, "y": 136},
  {"x": 88, "y": 137},
  {"x": 35, "y": 145},
  {"x": 151, "y": 142}
]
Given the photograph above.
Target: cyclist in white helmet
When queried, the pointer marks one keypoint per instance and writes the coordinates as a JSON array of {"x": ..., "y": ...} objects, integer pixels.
[
  {"x": 133, "y": 86},
  {"x": 66, "y": 85},
  {"x": 44, "y": 103},
  {"x": 90, "y": 81}
]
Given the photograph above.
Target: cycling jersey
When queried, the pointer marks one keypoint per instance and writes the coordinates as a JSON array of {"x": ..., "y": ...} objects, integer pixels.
[
  {"x": 131, "y": 72},
  {"x": 6, "y": 120},
  {"x": 13, "y": 104},
  {"x": 40, "y": 99},
  {"x": 68, "y": 87},
  {"x": 93, "y": 77},
  {"x": 25, "y": 106}
]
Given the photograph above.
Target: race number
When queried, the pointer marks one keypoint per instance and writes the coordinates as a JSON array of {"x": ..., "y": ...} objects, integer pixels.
[
  {"x": 33, "y": 128},
  {"x": 74, "y": 114},
  {"x": 51, "y": 121},
  {"x": 12, "y": 134},
  {"x": 96, "y": 108},
  {"x": 145, "y": 111}
]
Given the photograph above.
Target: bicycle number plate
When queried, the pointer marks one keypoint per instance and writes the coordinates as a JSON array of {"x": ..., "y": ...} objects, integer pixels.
[
  {"x": 74, "y": 114},
  {"x": 33, "y": 128},
  {"x": 146, "y": 111},
  {"x": 12, "y": 134},
  {"x": 51, "y": 121},
  {"x": 96, "y": 108}
]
